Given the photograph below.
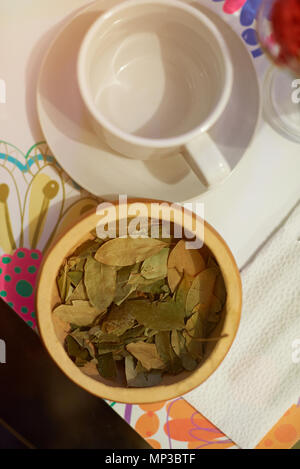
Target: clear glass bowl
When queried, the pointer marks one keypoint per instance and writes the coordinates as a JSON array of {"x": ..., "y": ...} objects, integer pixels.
[{"x": 281, "y": 107}]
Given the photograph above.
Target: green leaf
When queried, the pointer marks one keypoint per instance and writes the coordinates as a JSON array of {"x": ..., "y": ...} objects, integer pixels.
[
  {"x": 220, "y": 289},
  {"x": 162, "y": 316},
  {"x": 153, "y": 288},
  {"x": 88, "y": 248},
  {"x": 133, "y": 334},
  {"x": 76, "y": 264},
  {"x": 146, "y": 354},
  {"x": 63, "y": 283},
  {"x": 98, "y": 336},
  {"x": 195, "y": 329},
  {"x": 79, "y": 312},
  {"x": 75, "y": 277},
  {"x": 100, "y": 283},
  {"x": 107, "y": 366},
  {"x": 182, "y": 292},
  {"x": 138, "y": 379},
  {"x": 166, "y": 353},
  {"x": 179, "y": 347},
  {"x": 69, "y": 290},
  {"x": 130, "y": 369},
  {"x": 155, "y": 267},
  {"x": 83, "y": 339},
  {"x": 174, "y": 278},
  {"x": 80, "y": 355},
  {"x": 107, "y": 347},
  {"x": 201, "y": 291},
  {"x": 188, "y": 261},
  {"x": 79, "y": 293},
  {"x": 118, "y": 320},
  {"x": 128, "y": 251},
  {"x": 123, "y": 289}
]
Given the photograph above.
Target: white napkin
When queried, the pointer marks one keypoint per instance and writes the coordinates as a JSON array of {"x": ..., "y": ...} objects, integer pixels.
[{"x": 258, "y": 380}]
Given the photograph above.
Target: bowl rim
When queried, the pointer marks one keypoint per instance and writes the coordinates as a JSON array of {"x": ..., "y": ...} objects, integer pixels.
[{"x": 125, "y": 395}]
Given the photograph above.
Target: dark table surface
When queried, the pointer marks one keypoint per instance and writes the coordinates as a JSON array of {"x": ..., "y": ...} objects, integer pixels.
[{"x": 41, "y": 408}]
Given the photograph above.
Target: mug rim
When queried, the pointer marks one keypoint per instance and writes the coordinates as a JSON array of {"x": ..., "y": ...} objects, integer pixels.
[{"x": 179, "y": 140}]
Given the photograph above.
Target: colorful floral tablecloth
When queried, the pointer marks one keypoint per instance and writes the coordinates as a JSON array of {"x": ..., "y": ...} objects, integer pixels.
[{"x": 37, "y": 201}]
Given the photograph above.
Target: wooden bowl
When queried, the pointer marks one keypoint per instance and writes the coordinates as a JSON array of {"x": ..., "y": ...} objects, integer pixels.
[{"x": 53, "y": 331}]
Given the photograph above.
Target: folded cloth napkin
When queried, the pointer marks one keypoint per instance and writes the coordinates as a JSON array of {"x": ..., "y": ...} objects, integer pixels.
[{"x": 259, "y": 380}]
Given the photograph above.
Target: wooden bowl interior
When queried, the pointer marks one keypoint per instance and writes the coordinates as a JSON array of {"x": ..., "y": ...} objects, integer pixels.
[{"x": 53, "y": 331}]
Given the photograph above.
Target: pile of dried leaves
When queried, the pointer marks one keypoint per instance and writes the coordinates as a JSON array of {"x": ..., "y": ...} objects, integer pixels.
[{"x": 147, "y": 304}]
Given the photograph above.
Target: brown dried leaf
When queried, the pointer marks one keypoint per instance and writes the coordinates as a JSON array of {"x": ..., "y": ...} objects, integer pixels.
[
  {"x": 118, "y": 320},
  {"x": 146, "y": 354},
  {"x": 100, "y": 283},
  {"x": 79, "y": 312},
  {"x": 201, "y": 291},
  {"x": 185, "y": 260},
  {"x": 128, "y": 251}
]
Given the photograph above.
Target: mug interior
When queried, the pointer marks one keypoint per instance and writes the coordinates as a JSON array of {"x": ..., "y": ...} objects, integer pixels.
[{"x": 154, "y": 70}]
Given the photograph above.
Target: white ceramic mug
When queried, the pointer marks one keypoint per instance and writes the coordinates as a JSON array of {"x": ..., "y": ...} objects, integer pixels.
[{"x": 155, "y": 76}]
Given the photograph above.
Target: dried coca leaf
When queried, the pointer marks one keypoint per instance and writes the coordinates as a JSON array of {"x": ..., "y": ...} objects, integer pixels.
[
  {"x": 78, "y": 294},
  {"x": 108, "y": 347},
  {"x": 158, "y": 315},
  {"x": 63, "y": 283},
  {"x": 75, "y": 277},
  {"x": 179, "y": 347},
  {"x": 174, "y": 278},
  {"x": 118, "y": 320},
  {"x": 128, "y": 251},
  {"x": 79, "y": 312},
  {"x": 80, "y": 355},
  {"x": 136, "y": 333},
  {"x": 133, "y": 302},
  {"x": 107, "y": 366},
  {"x": 83, "y": 339},
  {"x": 182, "y": 292},
  {"x": 130, "y": 369},
  {"x": 154, "y": 288},
  {"x": 140, "y": 379},
  {"x": 220, "y": 289},
  {"x": 201, "y": 291},
  {"x": 155, "y": 267},
  {"x": 100, "y": 283},
  {"x": 166, "y": 352},
  {"x": 146, "y": 354},
  {"x": 185, "y": 260},
  {"x": 88, "y": 248},
  {"x": 123, "y": 288},
  {"x": 195, "y": 329}
]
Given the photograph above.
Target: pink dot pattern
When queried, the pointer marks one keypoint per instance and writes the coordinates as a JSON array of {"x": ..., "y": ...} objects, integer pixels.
[
  {"x": 18, "y": 276},
  {"x": 231, "y": 6}
]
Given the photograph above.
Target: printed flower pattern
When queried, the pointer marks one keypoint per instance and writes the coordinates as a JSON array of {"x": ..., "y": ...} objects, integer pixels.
[
  {"x": 37, "y": 201},
  {"x": 248, "y": 11}
]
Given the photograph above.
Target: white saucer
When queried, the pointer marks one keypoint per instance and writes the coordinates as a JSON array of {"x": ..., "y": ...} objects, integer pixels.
[{"x": 96, "y": 167}]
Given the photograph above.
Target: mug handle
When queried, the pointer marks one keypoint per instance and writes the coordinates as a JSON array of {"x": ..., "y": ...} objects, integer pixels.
[{"x": 206, "y": 160}]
